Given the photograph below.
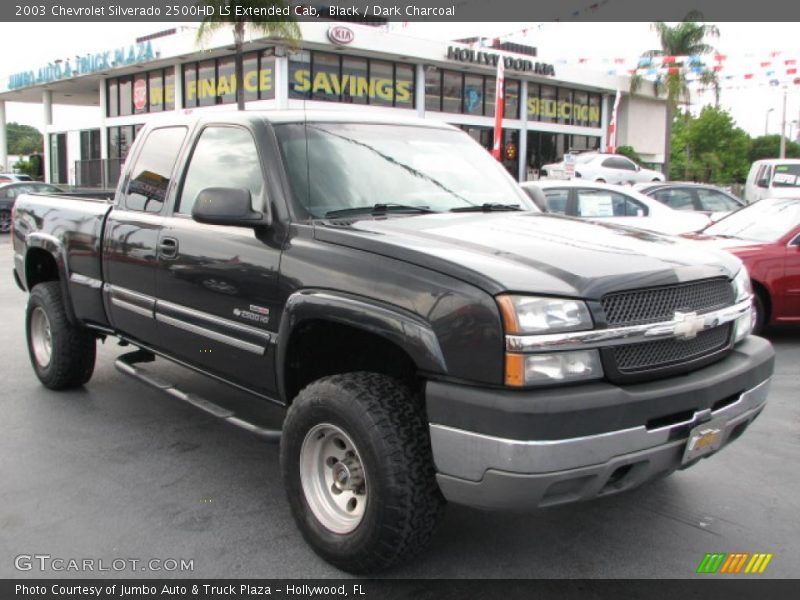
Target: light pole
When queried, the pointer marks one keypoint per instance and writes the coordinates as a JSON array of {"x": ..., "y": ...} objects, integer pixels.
[
  {"x": 783, "y": 128},
  {"x": 766, "y": 122}
]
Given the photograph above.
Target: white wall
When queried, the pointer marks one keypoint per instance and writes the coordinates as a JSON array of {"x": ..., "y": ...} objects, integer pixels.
[{"x": 642, "y": 124}]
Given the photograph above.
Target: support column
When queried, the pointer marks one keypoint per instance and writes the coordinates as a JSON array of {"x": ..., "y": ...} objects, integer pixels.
[
  {"x": 281, "y": 77},
  {"x": 47, "y": 108},
  {"x": 522, "y": 153},
  {"x": 178, "y": 89},
  {"x": 419, "y": 91},
  {"x": 3, "y": 140}
]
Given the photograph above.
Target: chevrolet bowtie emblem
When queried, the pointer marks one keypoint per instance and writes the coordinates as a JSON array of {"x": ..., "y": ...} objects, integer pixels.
[{"x": 687, "y": 325}]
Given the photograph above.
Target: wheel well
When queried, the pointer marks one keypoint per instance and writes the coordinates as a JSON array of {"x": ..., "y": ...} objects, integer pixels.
[
  {"x": 763, "y": 293},
  {"x": 319, "y": 348},
  {"x": 40, "y": 266}
]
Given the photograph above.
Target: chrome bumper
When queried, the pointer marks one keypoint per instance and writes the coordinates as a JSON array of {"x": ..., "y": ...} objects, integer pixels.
[{"x": 494, "y": 472}]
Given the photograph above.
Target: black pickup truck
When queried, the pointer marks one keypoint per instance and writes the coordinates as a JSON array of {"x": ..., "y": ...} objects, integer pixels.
[{"x": 430, "y": 333}]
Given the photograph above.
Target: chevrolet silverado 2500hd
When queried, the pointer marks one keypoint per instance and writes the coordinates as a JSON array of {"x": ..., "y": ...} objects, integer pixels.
[{"x": 430, "y": 333}]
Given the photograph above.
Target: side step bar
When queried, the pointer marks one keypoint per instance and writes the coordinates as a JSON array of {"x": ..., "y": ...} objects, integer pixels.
[{"x": 127, "y": 364}]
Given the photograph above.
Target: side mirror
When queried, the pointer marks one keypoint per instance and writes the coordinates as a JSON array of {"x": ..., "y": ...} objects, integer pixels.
[
  {"x": 763, "y": 183},
  {"x": 226, "y": 206}
]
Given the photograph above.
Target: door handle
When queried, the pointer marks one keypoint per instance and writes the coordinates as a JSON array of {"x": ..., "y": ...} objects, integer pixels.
[{"x": 168, "y": 247}]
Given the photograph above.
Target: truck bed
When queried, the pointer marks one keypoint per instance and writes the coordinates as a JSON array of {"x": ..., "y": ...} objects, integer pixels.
[{"x": 70, "y": 226}]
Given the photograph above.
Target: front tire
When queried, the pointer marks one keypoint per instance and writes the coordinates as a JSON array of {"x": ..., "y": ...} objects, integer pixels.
[
  {"x": 760, "y": 319},
  {"x": 62, "y": 354},
  {"x": 5, "y": 221},
  {"x": 358, "y": 471}
]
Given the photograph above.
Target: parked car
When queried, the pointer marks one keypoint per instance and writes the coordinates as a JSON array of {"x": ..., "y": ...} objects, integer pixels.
[
  {"x": 10, "y": 191},
  {"x": 773, "y": 178},
  {"x": 430, "y": 333},
  {"x": 700, "y": 197},
  {"x": 604, "y": 168},
  {"x": 766, "y": 236},
  {"x": 9, "y": 177},
  {"x": 611, "y": 204}
]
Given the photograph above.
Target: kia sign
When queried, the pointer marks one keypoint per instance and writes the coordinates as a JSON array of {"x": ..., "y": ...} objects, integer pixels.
[
  {"x": 139, "y": 94},
  {"x": 340, "y": 35}
]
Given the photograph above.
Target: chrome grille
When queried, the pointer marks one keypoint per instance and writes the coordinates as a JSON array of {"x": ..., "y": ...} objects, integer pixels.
[
  {"x": 652, "y": 305},
  {"x": 664, "y": 353}
]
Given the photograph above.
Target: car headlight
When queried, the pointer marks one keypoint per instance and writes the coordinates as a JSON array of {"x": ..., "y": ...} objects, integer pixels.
[
  {"x": 552, "y": 368},
  {"x": 533, "y": 314},
  {"x": 742, "y": 290}
]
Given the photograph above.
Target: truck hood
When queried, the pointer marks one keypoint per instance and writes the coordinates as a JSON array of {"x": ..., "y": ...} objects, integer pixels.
[{"x": 533, "y": 252}]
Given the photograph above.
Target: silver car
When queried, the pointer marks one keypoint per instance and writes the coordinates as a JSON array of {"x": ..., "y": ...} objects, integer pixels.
[{"x": 604, "y": 168}]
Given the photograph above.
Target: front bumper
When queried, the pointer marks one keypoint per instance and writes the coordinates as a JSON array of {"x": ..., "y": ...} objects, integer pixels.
[{"x": 481, "y": 468}]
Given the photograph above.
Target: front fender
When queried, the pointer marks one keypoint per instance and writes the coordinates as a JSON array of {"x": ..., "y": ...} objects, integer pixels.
[{"x": 406, "y": 330}]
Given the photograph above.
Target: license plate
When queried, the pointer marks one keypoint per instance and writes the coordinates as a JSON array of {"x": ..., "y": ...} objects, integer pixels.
[{"x": 703, "y": 440}]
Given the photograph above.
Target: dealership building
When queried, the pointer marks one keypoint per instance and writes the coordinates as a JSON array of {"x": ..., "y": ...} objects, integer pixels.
[{"x": 550, "y": 108}]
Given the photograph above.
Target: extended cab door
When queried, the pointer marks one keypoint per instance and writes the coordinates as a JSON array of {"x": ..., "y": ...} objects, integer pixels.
[
  {"x": 218, "y": 285},
  {"x": 130, "y": 242}
]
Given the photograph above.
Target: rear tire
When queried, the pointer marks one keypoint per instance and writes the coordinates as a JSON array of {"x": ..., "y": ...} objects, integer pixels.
[
  {"x": 62, "y": 354},
  {"x": 5, "y": 221},
  {"x": 374, "y": 502},
  {"x": 600, "y": 180}
]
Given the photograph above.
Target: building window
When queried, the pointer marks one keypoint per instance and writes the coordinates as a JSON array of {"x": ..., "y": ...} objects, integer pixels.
[
  {"x": 511, "y": 95},
  {"x": 120, "y": 140},
  {"x": 552, "y": 104},
  {"x": 354, "y": 80},
  {"x": 153, "y": 91},
  {"x": 90, "y": 144},
  {"x": 452, "y": 91},
  {"x": 468, "y": 93},
  {"x": 213, "y": 81},
  {"x": 433, "y": 89}
]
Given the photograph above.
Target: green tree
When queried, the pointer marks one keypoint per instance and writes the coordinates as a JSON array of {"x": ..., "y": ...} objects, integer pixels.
[
  {"x": 277, "y": 27},
  {"x": 768, "y": 146},
  {"x": 687, "y": 38},
  {"x": 709, "y": 147},
  {"x": 23, "y": 139}
]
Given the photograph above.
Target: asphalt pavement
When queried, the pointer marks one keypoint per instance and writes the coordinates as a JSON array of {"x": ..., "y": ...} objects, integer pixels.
[{"x": 116, "y": 470}]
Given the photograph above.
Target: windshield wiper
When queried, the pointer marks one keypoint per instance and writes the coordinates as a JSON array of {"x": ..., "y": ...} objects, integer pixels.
[
  {"x": 378, "y": 209},
  {"x": 486, "y": 208}
]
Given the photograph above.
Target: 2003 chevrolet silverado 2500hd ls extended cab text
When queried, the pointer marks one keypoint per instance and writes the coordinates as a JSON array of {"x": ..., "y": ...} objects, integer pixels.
[{"x": 430, "y": 333}]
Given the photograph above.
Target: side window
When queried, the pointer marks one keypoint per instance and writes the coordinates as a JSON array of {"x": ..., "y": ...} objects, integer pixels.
[
  {"x": 604, "y": 203},
  {"x": 150, "y": 174},
  {"x": 676, "y": 199},
  {"x": 714, "y": 201},
  {"x": 609, "y": 163},
  {"x": 223, "y": 157},
  {"x": 557, "y": 201}
]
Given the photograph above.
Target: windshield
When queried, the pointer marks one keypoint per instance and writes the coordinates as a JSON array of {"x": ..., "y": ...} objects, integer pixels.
[
  {"x": 786, "y": 176},
  {"x": 352, "y": 165},
  {"x": 765, "y": 221}
]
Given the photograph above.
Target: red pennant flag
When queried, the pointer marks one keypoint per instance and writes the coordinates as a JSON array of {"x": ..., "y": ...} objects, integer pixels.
[
  {"x": 499, "y": 105},
  {"x": 748, "y": 75},
  {"x": 720, "y": 57},
  {"x": 717, "y": 68},
  {"x": 790, "y": 61},
  {"x": 766, "y": 64},
  {"x": 582, "y": 60},
  {"x": 619, "y": 61},
  {"x": 791, "y": 71},
  {"x": 667, "y": 60},
  {"x": 674, "y": 70}
]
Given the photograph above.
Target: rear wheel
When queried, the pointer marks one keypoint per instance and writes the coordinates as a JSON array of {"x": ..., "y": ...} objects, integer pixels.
[
  {"x": 358, "y": 471},
  {"x": 600, "y": 180},
  {"x": 62, "y": 354},
  {"x": 5, "y": 221}
]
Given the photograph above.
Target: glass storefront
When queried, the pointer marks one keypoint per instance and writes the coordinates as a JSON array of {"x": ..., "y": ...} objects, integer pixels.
[
  {"x": 509, "y": 151},
  {"x": 336, "y": 78},
  {"x": 544, "y": 147},
  {"x": 153, "y": 91},
  {"x": 213, "y": 81},
  {"x": 552, "y": 104},
  {"x": 468, "y": 93}
]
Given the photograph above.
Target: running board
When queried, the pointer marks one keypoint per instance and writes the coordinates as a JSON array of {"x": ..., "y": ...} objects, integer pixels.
[{"x": 127, "y": 364}]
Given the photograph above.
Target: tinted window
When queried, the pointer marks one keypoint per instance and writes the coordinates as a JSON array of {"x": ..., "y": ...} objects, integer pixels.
[
  {"x": 223, "y": 157},
  {"x": 557, "y": 201},
  {"x": 714, "y": 201},
  {"x": 150, "y": 174},
  {"x": 605, "y": 203},
  {"x": 677, "y": 199},
  {"x": 615, "y": 162}
]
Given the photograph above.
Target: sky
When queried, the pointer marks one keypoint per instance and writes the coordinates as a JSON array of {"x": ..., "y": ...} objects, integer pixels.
[{"x": 39, "y": 43}]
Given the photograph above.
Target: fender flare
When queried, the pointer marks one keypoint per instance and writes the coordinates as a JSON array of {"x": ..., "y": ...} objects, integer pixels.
[
  {"x": 53, "y": 246},
  {"x": 406, "y": 330}
]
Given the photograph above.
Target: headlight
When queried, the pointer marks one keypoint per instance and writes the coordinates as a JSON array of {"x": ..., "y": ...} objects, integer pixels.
[
  {"x": 558, "y": 367},
  {"x": 742, "y": 290},
  {"x": 531, "y": 314}
]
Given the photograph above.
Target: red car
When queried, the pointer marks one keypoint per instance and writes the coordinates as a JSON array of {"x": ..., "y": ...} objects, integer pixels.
[{"x": 766, "y": 236}]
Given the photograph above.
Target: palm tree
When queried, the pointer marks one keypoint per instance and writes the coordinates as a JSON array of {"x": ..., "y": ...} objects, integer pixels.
[
  {"x": 224, "y": 14},
  {"x": 687, "y": 38}
]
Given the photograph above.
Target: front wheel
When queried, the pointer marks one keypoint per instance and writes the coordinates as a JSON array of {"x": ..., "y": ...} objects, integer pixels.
[
  {"x": 358, "y": 471},
  {"x": 5, "y": 221},
  {"x": 62, "y": 354},
  {"x": 760, "y": 317}
]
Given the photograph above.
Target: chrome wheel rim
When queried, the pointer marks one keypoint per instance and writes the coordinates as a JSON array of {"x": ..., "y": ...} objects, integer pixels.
[
  {"x": 333, "y": 478},
  {"x": 5, "y": 221},
  {"x": 41, "y": 337}
]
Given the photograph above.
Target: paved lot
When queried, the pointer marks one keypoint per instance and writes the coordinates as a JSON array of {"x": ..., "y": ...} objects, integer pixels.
[{"x": 117, "y": 470}]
